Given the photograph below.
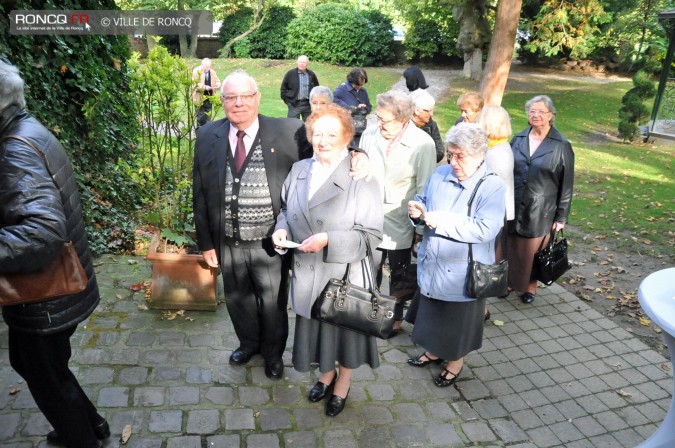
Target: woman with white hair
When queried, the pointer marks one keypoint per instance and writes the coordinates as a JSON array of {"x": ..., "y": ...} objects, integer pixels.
[
  {"x": 320, "y": 97},
  {"x": 402, "y": 157},
  {"x": 448, "y": 323},
  {"x": 423, "y": 118},
  {"x": 37, "y": 217}
]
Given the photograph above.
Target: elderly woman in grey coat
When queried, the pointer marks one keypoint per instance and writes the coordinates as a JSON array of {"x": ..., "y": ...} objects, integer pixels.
[
  {"x": 402, "y": 157},
  {"x": 330, "y": 215},
  {"x": 449, "y": 324}
]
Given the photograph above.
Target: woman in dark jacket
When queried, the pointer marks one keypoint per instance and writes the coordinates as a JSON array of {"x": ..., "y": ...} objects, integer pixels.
[
  {"x": 37, "y": 216},
  {"x": 543, "y": 178},
  {"x": 353, "y": 96}
]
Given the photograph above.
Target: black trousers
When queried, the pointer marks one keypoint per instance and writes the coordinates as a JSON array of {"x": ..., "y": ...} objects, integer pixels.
[
  {"x": 203, "y": 112},
  {"x": 256, "y": 295},
  {"x": 299, "y": 107},
  {"x": 399, "y": 262},
  {"x": 42, "y": 360}
]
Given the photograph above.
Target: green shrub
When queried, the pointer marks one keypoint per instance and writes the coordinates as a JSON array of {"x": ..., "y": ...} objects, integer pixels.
[
  {"x": 380, "y": 47},
  {"x": 634, "y": 112},
  {"x": 163, "y": 85},
  {"x": 268, "y": 41},
  {"x": 338, "y": 34},
  {"x": 429, "y": 39},
  {"x": 78, "y": 88}
]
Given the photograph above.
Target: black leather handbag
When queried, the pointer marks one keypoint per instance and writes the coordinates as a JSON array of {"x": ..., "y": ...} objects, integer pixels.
[
  {"x": 364, "y": 310},
  {"x": 551, "y": 262},
  {"x": 485, "y": 280}
]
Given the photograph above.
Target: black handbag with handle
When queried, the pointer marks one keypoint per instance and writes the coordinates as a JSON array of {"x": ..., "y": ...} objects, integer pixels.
[
  {"x": 485, "y": 280},
  {"x": 551, "y": 262},
  {"x": 364, "y": 310}
]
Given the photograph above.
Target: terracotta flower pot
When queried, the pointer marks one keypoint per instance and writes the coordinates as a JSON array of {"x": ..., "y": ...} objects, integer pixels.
[{"x": 181, "y": 281}]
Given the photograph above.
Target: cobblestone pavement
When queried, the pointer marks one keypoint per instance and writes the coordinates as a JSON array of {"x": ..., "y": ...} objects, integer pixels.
[{"x": 555, "y": 374}]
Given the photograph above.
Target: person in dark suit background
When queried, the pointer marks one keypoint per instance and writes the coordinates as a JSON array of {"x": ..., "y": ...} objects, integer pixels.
[
  {"x": 414, "y": 79},
  {"x": 240, "y": 166},
  {"x": 295, "y": 89}
]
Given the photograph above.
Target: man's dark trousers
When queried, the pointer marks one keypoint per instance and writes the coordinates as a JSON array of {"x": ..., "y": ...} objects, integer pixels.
[
  {"x": 256, "y": 295},
  {"x": 296, "y": 108}
]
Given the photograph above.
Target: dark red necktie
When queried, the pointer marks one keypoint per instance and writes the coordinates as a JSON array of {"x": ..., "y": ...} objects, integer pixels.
[{"x": 240, "y": 153}]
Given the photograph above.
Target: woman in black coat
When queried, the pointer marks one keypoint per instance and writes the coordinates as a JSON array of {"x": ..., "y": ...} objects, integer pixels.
[
  {"x": 37, "y": 216},
  {"x": 543, "y": 178}
]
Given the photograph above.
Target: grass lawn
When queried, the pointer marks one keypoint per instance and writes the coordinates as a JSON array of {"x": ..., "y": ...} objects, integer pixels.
[
  {"x": 269, "y": 73},
  {"x": 623, "y": 192}
]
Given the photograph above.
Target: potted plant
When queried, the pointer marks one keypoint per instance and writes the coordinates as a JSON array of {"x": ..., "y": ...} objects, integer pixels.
[{"x": 163, "y": 86}]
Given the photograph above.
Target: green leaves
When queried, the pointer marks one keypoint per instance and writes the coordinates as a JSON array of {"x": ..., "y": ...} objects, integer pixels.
[{"x": 340, "y": 35}]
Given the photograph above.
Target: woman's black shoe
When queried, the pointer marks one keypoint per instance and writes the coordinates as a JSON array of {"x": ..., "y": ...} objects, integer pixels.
[
  {"x": 419, "y": 362},
  {"x": 320, "y": 390},
  {"x": 336, "y": 405},
  {"x": 442, "y": 381},
  {"x": 527, "y": 297},
  {"x": 101, "y": 431}
]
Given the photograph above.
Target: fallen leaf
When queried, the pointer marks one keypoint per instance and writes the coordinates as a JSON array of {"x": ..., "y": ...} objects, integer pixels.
[
  {"x": 136, "y": 286},
  {"x": 189, "y": 319},
  {"x": 498, "y": 323},
  {"x": 256, "y": 414},
  {"x": 657, "y": 329},
  {"x": 119, "y": 296},
  {"x": 623, "y": 393},
  {"x": 630, "y": 330},
  {"x": 644, "y": 321},
  {"x": 585, "y": 297},
  {"x": 588, "y": 287},
  {"x": 665, "y": 367},
  {"x": 143, "y": 307},
  {"x": 126, "y": 434},
  {"x": 132, "y": 261},
  {"x": 113, "y": 258},
  {"x": 610, "y": 298},
  {"x": 14, "y": 390},
  {"x": 169, "y": 316},
  {"x": 598, "y": 290}
]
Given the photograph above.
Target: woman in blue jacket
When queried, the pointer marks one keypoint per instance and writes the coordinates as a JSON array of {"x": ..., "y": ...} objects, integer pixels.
[{"x": 448, "y": 323}]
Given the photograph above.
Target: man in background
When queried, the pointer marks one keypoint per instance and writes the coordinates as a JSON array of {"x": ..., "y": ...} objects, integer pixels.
[
  {"x": 208, "y": 85},
  {"x": 295, "y": 89}
]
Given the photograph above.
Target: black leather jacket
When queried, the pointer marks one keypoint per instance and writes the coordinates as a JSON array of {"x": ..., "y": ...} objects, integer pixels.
[
  {"x": 36, "y": 219},
  {"x": 543, "y": 183}
]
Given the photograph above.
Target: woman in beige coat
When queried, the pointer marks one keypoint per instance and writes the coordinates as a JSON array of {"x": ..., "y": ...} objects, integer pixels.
[{"x": 402, "y": 157}]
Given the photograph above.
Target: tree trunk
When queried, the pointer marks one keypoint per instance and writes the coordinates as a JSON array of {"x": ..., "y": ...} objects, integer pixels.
[
  {"x": 499, "y": 58},
  {"x": 182, "y": 38},
  {"x": 150, "y": 41},
  {"x": 473, "y": 64},
  {"x": 194, "y": 40}
]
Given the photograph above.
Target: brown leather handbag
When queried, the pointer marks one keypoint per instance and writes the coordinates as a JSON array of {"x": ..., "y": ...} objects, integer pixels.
[{"x": 63, "y": 276}]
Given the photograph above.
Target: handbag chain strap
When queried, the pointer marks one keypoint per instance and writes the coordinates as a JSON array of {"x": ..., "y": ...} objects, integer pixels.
[{"x": 468, "y": 212}]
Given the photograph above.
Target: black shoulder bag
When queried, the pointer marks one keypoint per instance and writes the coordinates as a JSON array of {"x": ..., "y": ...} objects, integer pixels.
[
  {"x": 364, "y": 310},
  {"x": 485, "y": 280}
]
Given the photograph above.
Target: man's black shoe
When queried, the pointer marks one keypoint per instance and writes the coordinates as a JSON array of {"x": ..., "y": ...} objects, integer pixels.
[
  {"x": 101, "y": 431},
  {"x": 274, "y": 369},
  {"x": 241, "y": 356}
]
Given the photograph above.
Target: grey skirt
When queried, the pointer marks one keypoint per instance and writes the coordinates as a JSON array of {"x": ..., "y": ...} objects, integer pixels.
[
  {"x": 449, "y": 330},
  {"x": 324, "y": 344}
]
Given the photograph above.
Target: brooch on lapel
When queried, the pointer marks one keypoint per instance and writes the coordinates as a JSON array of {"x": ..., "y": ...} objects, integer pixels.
[{"x": 271, "y": 149}]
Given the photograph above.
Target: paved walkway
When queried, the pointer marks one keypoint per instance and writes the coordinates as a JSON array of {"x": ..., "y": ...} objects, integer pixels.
[{"x": 555, "y": 374}]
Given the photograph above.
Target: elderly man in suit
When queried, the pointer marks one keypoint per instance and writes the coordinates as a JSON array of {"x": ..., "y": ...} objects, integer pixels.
[
  {"x": 240, "y": 166},
  {"x": 207, "y": 85},
  {"x": 295, "y": 89}
]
